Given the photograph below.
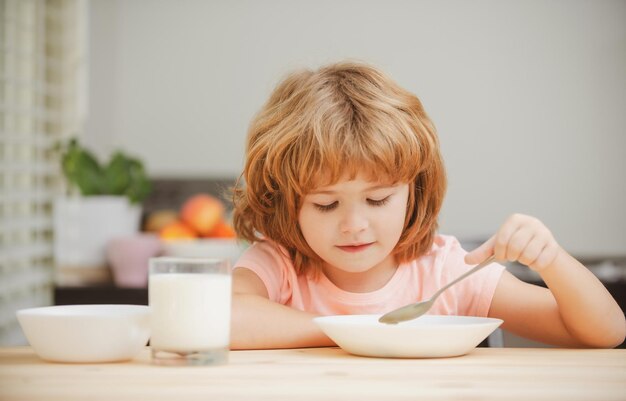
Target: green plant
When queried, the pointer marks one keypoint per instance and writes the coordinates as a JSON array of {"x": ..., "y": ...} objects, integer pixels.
[{"x": 123, "y": 175}]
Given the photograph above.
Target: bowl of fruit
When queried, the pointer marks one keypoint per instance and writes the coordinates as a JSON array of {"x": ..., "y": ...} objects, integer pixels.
[{"x": 200, "y": 229}]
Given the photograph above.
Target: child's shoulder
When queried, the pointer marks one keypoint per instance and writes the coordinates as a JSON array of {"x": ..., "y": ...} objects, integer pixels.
[
  {"x": 265, "y": 251},
  {"x": 444, "y": 250},
  {"x": 444, "y": 244}
]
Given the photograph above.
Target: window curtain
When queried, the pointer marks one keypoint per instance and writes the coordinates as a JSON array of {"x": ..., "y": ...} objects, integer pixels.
[{"x": 42, "y": 101}]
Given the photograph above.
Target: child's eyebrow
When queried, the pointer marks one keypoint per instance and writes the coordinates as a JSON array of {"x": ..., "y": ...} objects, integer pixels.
[{"x": 331, "y": 192}]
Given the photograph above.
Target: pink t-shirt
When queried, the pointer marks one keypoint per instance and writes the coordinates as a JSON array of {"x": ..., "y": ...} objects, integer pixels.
[{"x": 413, "y": 281}]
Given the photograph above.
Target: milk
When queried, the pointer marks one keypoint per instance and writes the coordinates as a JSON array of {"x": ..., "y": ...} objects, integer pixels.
[{"x": 190, "y": 311}]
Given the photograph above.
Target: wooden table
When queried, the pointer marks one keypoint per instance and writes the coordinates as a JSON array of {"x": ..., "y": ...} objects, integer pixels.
[{"x": 326, "y": 374}]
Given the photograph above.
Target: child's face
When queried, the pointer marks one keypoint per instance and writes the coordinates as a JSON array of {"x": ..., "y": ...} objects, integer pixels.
[{"x": 354, "y": 225}]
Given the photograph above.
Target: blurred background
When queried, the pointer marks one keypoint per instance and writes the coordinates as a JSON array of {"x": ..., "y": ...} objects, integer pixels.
[{"x": 528, "y": 99}]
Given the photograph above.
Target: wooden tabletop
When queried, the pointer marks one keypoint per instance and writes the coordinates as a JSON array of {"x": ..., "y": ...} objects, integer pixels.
[{"x": 326, "y": 374}]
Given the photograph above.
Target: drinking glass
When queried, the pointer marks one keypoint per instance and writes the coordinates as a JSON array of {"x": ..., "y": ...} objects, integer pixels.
[{"x": 190, "y": 303}]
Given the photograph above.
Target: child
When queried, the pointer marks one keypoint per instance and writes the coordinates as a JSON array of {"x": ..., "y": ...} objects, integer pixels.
[{"x": 343, "y": 185}]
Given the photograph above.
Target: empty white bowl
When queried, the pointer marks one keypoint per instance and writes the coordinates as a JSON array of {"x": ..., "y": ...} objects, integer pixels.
[
  {"x": 86, "y": 333},
  {"x": 428, "y": 336},
  {"x": 222, "y": 248}
]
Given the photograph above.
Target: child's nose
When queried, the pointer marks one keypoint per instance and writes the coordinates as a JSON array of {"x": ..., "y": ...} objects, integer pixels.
[{"x": 353, "y": 221}]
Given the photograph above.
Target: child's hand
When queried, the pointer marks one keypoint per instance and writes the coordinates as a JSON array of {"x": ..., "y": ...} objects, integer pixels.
[{"x": 521, "y": 238}]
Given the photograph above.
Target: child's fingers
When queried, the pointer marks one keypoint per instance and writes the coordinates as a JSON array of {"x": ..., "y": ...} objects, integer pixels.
[
  {"x": 503, "y": 236},
  {"x": 532, "y": 251},
  {"x": 518, "y": 242},
  {"x": 546, "y": 257},
  {"x": 481, "y": 253}
]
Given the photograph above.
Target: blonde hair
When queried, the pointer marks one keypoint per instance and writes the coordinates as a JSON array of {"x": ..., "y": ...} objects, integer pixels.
[{"x": 317, "y": 126}]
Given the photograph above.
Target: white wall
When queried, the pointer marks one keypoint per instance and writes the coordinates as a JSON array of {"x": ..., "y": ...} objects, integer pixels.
[{"x": 529, "y": 96}]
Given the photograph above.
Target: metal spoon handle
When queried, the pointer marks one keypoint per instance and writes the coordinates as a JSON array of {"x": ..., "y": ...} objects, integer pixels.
[
  {"x": 412, "y": 311},
  {"x": 473, "y": 270}
]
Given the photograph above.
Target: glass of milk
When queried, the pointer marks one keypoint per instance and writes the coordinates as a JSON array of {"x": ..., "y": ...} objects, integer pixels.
[{"x": 190, "y": 301}]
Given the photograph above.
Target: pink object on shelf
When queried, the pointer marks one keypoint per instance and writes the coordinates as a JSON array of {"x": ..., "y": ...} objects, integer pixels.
[{"x": 128, "y": 258}]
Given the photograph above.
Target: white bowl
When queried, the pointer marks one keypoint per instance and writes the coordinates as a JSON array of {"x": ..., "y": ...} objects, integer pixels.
[
  {"x": 428, "y": 336},
  {"x": 222, "y": 248},
  {"x": 86, "y": 333}
]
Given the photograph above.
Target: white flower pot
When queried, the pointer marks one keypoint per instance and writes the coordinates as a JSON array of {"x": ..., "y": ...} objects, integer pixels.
[{"x": 83, "y": 226}]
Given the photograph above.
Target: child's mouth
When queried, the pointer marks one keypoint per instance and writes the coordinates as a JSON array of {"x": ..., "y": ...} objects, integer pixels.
[{"x": 354, "y": 248}]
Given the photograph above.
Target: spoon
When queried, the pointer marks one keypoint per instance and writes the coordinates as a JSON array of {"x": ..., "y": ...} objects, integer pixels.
[{"x": 412, "y": 311}]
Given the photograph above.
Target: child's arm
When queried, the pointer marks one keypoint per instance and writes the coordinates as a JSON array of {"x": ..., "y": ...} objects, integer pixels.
[
  {"x": 258, "y": 323},
  {"x": 576, "y": 309}
]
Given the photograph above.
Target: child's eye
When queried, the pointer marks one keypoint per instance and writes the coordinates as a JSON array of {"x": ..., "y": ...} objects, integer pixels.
[
  {"x": 326, "y": 208},
  {"x": 378, "y": 202}
]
